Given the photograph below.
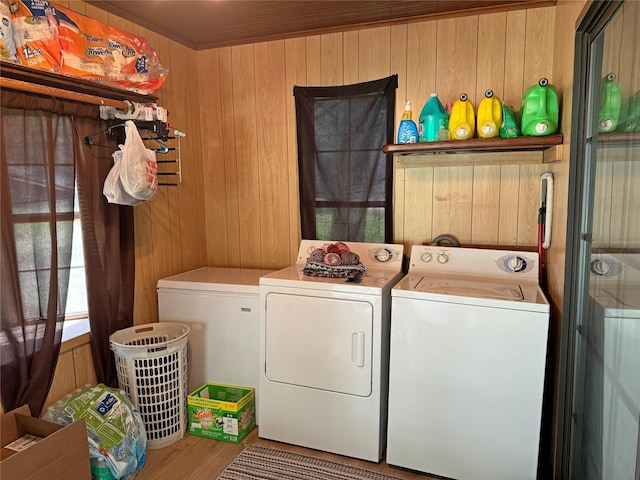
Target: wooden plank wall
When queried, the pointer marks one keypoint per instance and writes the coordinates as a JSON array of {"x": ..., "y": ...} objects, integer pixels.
[
  {"x": 238, "y": 203},
  {"x": 617, "y": 198},
  {"x": 170, "y": 230},
  {"x": 74, "y": 369},
  {"x": 249, "y": 150}
]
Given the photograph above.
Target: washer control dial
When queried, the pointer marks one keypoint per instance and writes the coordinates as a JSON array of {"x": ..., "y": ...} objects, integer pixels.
[
  {"x": 603, "y": 267},
  {"x": 515, "y": 264},
  {"x": 426, "y": 257},
  {"x": 443, "y": 257},
  {"x": 600, "y": 267}
]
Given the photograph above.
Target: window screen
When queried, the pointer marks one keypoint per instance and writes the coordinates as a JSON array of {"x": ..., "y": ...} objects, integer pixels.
[{"x": 346, "y": 181}]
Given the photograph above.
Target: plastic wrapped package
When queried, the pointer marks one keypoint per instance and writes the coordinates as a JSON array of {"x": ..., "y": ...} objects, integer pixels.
[
  {"x": 96, "y": 51},
  {"x": 35, "y": 34},
  {"x": 51, "y": 37},
  {"x": 115, "y": 429},
  {"x": 7, "y": 45}
]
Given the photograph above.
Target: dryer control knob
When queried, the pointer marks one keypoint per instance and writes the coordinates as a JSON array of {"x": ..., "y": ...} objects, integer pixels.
[
  {"x": 443, "y": 258},
  {"x": 425, "y": 257},
  {"x": 383, "y": 255}
]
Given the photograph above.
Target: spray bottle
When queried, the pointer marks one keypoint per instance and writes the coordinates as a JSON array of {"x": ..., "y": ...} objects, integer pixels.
[{"x": 407, "y": 131}]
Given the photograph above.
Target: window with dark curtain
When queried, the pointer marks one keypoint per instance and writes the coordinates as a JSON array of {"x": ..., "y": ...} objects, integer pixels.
[
  {"x": 37, "y": 232},
  {"x": 345, "y": 180},
  {"x": 42, "y": 159}
]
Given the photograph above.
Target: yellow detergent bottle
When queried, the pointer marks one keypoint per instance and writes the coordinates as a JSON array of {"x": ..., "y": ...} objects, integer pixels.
[
  {"x": 489, "y": 115},
  {"x": 462, "y": 122}
]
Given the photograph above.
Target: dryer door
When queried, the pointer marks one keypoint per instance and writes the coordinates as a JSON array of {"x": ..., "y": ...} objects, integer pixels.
[{"x": 317, "y": 342}]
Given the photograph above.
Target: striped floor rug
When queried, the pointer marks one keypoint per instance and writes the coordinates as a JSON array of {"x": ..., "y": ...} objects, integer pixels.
[{"x": 262, "y": 463}]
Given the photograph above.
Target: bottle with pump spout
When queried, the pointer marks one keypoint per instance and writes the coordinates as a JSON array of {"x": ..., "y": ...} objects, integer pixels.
[
  {"x": 539, "y": 111},
  {"x": 610, "y": 102},
  {"x": 433, "y": 119},
  {"x": 462, "y": 122},
  {"x": 407, "y": 131},
  {"x": 489, "y": 115}
]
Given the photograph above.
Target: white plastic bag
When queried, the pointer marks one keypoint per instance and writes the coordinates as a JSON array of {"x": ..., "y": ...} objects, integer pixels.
[
  {"x": 139, "y": 169},
  {"x": 113, "y": 189}
]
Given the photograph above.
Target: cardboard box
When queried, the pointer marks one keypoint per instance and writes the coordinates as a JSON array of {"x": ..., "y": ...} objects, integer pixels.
[
  {"x": 50, "y": 451},
  {"x": 222, "y": 412}
]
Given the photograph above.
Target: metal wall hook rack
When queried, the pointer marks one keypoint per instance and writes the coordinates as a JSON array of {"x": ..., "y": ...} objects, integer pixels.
[{"x": 157, "y": 136}]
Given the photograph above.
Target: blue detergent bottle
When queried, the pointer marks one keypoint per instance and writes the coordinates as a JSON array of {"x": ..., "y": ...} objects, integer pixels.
[
  {"x": 432, "y": 119},
  {"x": 407, "y": 131}
]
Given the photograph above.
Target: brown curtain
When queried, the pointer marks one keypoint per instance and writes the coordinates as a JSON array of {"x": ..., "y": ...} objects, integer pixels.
[
  {"x": 345, "y": 180},
  {"x": 42, "y": 154},
  {"x": 109, "y": 250}
]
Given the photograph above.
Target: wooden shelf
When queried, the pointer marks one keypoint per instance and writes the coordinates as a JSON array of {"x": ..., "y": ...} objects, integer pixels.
[
  {"x": 476, "y": 145},
  {"x": 618, "y": 139},
  {"x": 478, "y": 151},
  {"x": 49, "y": 79},
  {"x": 618, "y": 147}
]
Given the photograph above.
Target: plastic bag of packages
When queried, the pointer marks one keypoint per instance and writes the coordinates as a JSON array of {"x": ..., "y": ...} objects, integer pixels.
[
  {"x": 115, "y": 429},
  {"x": 113, "y": 189},
  {"x": 139, "y": 168}
]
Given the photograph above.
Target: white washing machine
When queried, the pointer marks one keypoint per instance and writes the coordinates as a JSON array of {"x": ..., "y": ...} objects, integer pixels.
[
  {"x": 469, "y": 334},
  {"x": 324, "y": 353},
  {"x": 612, "y": 334},
  {"x": 221, "y": 306}
]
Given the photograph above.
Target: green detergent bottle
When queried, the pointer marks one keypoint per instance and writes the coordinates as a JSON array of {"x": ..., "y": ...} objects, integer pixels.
[
  {"x": 489, "y": 115},
  {"x": 610, "y": 102},
  {"x": 462, "y": 122},
  {"x": 630, "y": 114},
  {"x": 433, "y": 117},
  {"x": 539, "y": 112}
]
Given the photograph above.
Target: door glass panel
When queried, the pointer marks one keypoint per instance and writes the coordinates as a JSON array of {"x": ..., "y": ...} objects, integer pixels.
[{"x": 606, "y": 407}]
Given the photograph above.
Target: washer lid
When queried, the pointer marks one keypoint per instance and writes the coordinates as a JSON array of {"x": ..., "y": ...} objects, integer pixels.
[
  {"x": 472, "y": 290},
  {"x": 627, "y": 297},
  {"x": 511, "y": 291}
]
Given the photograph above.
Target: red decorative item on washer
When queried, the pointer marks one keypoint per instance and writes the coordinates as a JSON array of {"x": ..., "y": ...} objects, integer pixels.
[
  {"x": 349, "y": 258},
  {"x": 334, "y": 260},
  {"x": 317, "y": 255}
]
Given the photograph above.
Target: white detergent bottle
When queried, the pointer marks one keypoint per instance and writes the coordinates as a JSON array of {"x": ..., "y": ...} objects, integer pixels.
[{"x": 407, "y": 131}]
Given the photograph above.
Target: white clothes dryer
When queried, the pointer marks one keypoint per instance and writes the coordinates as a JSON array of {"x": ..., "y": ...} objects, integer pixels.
[
  {"x": 324, "y": 353},
  {"x": 469, "y": 334}
]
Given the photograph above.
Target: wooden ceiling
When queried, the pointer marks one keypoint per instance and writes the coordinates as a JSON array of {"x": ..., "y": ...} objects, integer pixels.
[{"x": 203, "y": 24}]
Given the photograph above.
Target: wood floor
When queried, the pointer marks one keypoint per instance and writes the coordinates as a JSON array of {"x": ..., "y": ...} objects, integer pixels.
[{"x": 197, "y": 458}]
